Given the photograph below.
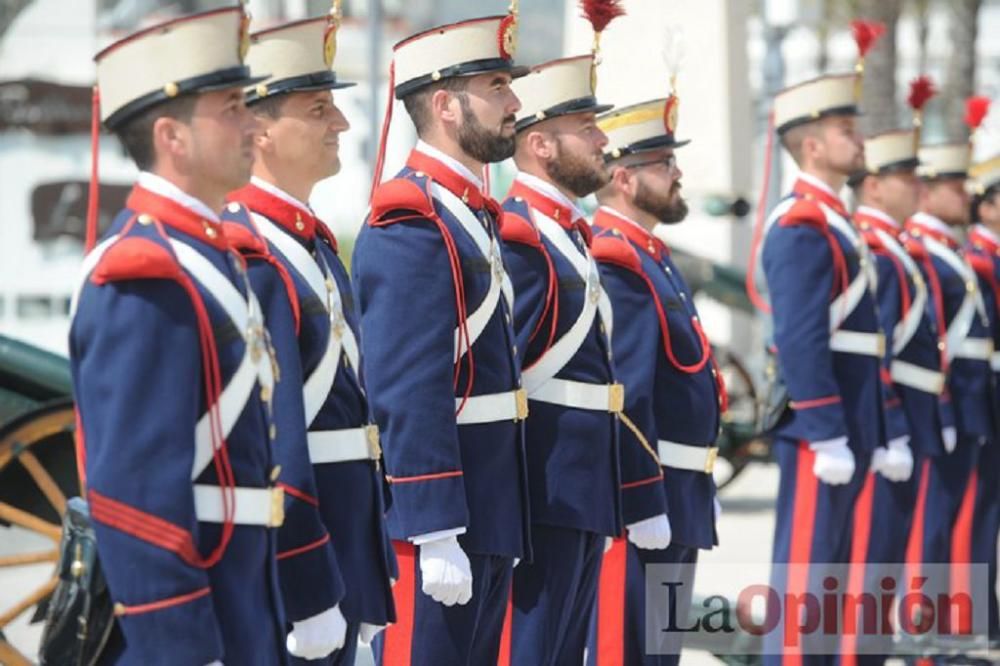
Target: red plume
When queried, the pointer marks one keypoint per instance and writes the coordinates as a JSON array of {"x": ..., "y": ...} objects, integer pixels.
[
  {"x": 921, "y": 90},
  {"x": 976, "y": 109},
  {"x": 866, "y": 33},
  {"x": 601, "y": 12}
]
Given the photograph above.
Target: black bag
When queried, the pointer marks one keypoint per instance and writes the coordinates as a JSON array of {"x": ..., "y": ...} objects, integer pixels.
[
  {"x": 776, "y": 401},
  {"x": 80, "y": 615}
]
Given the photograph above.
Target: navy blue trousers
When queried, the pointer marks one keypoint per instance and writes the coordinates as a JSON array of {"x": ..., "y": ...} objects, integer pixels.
[
  {"x": 813, "y": 525},
  {"x": 554, "y": 596},
  {"x": 621, "y": 632},
  {"x": 427, "y": 633}
]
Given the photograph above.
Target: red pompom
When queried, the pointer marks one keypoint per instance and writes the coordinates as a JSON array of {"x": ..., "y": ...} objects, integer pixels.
[
  {"x": 866, "y": 33},
  {"x": 976, "y": 108},
  {"x": 601, "y": 12},
  {"x": 921, "y": 90}
]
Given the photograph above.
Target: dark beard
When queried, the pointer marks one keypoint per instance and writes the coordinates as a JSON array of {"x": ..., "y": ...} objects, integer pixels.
[
  {"x": 576, "y": 174},
  {"x": 480, "y": 143},
  {"x": 668, "y": 209}
]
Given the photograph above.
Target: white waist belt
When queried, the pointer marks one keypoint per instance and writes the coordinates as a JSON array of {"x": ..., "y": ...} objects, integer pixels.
[
  {"x": 264, "y": 507},
  {"x": 856, "y": 342},
  {"x": 581, "y": 395},
  {"x": 914, "y": 376},
  {"x": 493, "y": 407},
  {"x": 995, "y": 361},
  {"x": 977, "y": 349},
  {"x": 334, "y": 446},
  {"x": 687, "y": 456}
]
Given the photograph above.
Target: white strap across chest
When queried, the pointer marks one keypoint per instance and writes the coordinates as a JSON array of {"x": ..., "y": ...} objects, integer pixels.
[
  {"x": 490, "y": 249},
  {"x": 961, "y": 323},
  {"x": 245, "y": 315},
  {"x": 596, "y": 299},
  {"x": 317, "y": 275},
  {"x": 866, "y": 280},
  {"x": 907, "y": 327}
]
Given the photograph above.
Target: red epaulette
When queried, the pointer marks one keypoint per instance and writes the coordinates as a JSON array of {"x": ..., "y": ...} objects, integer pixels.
[
  {"x": 804, "y": 211},
  {"x": 617, "y": 251},
  {"x": 981, "y": 264},
  {"x": 515, "y": 228},
  {"x": 872, "y": 240},
  {"x": 399, "y": 194},
  {"x": 915, "y": 248},
  {"x": 242, "y": 239},
  {"x": 136, "y": 258}
]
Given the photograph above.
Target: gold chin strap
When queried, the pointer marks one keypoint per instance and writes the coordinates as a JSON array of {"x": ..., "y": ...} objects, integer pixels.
[{"x": 638, "y": 435}]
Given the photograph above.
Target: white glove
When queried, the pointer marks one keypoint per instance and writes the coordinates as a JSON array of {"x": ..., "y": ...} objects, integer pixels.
[
  {"x": 651, "y": 533},
  {"x": 950, "y": 438},
  {"x": 215, "y": 663},
  {"x": 317, "y": 636},
  {"x": 608, "y": 542},
  {"x": 447, "y": 577},
  {"x": 834, "y": 462},
  {"x": 895, "y": 462},
  {"x": 368, "y": 632}
]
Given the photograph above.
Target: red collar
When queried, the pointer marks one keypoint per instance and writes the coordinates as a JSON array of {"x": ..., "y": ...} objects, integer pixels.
[
  {"x": 442, "y": 174},
  {"x": 300, "y": 223},
  {"x": 807, "y": 190},
  {"x": 563, "y": 215},
  {"x": 983, "y": 242},
  {"x": 177, "y": 216},
  {"x": 606, "y": 218},
  {"x": 917, "y": 230},
  {"x": 866, "y": 222}
]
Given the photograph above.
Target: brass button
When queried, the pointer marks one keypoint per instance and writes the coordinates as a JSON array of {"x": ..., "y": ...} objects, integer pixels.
[
  {"x": 419, "y": 174},
  {"x": 233, "y": 207},
  {"x": 273, "y": 431},
  {"x": 210, "y": 231},
  {"x": 145, "y": 220},
  {"x": 265, "y": 393},
  {"x": 275, "y": 473},
  {"x": 119, "y": 609}
]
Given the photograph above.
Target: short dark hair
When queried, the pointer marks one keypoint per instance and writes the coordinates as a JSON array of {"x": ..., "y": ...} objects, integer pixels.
[
  {"x": 793, "y": 138},
  {"x": 269, "y": 107},
  {"x": 137, "y": 134},
  {"x": 417, "y": 103},
  {"x": 986, "y": 197}
]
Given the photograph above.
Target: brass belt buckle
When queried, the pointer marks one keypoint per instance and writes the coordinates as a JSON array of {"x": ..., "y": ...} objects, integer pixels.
[
  {"x": 521, "y": 401},
  {"x": 710, "y": 455},
  {"x": 616, "y": 398},
  {"x": 374, "y": 446},
  {"x": 277, "y": 507},
  {"x": 880, "y": 344}
]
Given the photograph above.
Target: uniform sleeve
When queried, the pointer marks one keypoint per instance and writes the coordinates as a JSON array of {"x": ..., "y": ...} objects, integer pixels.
[
  {"x": 136, "y": 371},
  {"x": 529, "y": 274},
  {"x": 799, "y": 268},
  {"x": 890, "y": 312},
  {"x": 308, "y": 573},
  {"x": 406, "y": 297},
  {"x": 635, "y": 344}
]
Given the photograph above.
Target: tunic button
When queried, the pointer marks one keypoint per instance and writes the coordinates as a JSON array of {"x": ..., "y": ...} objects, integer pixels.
[
  {"x": 273, "y": 431},
  {"x": 275, "y": 473},
  {"x": 145, "y": 219},
  {"x": 233, "y": 207}
]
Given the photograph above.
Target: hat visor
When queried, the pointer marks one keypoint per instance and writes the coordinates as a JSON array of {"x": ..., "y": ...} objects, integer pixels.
[
  {"x": 663, "y": 142},
  {"x": 303, "y": 83},
  {"x": 570, "y": 108}
]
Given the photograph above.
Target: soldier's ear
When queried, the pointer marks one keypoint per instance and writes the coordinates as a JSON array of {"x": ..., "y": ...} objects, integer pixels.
[
  {"x": 445, "y": 106},
  {"x": 170, "y": 137},
  {"x": 540, "y": 146}
]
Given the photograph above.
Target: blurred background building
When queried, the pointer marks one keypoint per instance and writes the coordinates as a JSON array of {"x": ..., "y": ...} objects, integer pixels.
[{"x": 736, "y": 53}]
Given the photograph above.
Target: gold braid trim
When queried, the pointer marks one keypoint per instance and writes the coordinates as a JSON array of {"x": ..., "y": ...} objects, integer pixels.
[{"x": 638, "y": 435}]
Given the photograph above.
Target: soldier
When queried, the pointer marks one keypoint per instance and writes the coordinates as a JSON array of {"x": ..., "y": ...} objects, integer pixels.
[
  {"x": 829, "y": 346},
  {"x": 886, "y": 191},
  {"x": 439, "y": 354},
  {"x": 563, "y": 321},
  {"x": 674, "y": 394},
  {"x": 947, "y": 506},
  {"x": 171, "y": 364},
  {"x": 296, "y": 146},
  {"x": 983, "y": 253}
]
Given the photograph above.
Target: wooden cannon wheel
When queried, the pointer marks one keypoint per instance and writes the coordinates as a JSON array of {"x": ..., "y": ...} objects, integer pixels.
[{"x": 37, "y": 475}]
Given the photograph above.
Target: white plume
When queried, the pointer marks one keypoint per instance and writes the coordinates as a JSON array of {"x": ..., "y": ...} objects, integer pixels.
[{"x": 673, "y": 49}]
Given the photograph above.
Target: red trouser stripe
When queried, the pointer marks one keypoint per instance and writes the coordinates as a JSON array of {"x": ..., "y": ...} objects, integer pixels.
[
  {"x": 508, "y": 618},
  {"x": 856, "y": 577},
  {"x": 961, "y": 549},
  {"x": 611, "y": 606},
  {"x": 399, "y": 636},
  {"x": 915, "y": 546},
  {"x": 800, "y": 547}
]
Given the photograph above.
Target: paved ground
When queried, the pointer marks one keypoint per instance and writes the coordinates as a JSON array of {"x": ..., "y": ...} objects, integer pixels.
[{"x": 744, "y": 531}]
